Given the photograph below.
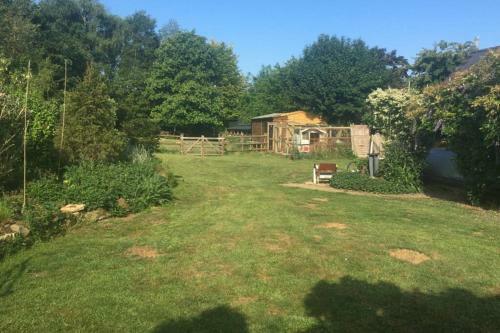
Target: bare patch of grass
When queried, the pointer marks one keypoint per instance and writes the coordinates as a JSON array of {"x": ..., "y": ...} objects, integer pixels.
[
  {"x": 332, "y": 225},
  {"x": 411, "y": 256},
  {"x": 145, "y": 252},
  {"x": 320, "y": 199},
  {"x": 244, "y": 300}
]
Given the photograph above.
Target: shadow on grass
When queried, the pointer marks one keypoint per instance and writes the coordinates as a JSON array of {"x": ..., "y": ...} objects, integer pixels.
[
  {"x": 220, "y": 319},
  {"x": 9, "y": 278},
  {"x": 357, "y": 306}
]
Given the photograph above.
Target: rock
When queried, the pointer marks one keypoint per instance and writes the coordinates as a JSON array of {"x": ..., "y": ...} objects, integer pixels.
[
  {"x": 73, "y": 208},
  {"x": 96, "y": 215},
  {"x": 19, "y": 229},
  {"x": 122, "y": 203},
  {"x": 7, "y": 236}
]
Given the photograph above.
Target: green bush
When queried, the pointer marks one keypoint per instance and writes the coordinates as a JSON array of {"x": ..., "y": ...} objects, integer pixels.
[
  {"x": 11, "y": 246},
  {"x": 48, "y": 190},
  {"x": 45, "y": 221},
  {"x": 5, "y": 211},
  {"x": 97, "y": 185},
  {"x": 358, "y": 182},
  {"x": 402, "y": 167}
]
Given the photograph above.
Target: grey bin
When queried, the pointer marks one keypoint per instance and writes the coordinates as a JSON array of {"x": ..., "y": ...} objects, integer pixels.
[{"x": 373, "y": 163}]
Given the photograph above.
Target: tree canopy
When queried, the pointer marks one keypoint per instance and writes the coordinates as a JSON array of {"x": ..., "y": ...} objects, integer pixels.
[
  {"x": 195, "y": 85},
  {"x": 436, "y": 64}
]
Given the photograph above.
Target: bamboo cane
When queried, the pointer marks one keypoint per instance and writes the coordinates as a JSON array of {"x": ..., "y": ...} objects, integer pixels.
[{"x": 25, "y": 132}]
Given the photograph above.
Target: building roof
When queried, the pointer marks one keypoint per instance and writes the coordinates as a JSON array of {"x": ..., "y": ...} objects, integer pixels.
[
  {"x": 270, "y": 115},
  {"x": 475, "y": 57},
  {"x": 274, "y": 115}
]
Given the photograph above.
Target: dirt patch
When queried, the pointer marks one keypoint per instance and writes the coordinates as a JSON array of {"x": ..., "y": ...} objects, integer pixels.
[
  {"x": 275, "y": 311},
  {"x": 320, "y": 199},
  {"x": 317, "y": 238},
  {"x": 243, "y": 300},
  {"x": 145, "y": 252},
  {"x": 263, "y": 276},
  {"x": 310, "y": 206},
  {"x": 413, "y": 257},
  {"x": 281, "y": 243},
  {"x": 332, "y": 225}
]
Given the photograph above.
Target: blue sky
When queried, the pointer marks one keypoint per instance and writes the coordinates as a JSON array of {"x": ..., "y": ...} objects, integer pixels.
[{"x": 269, "y": 32}]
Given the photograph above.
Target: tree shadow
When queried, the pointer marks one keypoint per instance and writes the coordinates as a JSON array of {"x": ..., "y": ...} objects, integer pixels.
[
  {"x": 357, "y": 306},
  {"x": 9, "y": 278},
  {"x": 220, "y": 319}
]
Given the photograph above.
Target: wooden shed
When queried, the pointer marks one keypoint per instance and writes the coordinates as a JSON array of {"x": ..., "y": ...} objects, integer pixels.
[{"x": 301, "y": 131}]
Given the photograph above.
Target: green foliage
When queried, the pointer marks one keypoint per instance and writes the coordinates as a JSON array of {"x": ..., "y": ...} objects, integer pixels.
[
  {"x": 129, "y": 84},
  {"x": 401, "y": 167},
  {"x": 469, "y": 106},
  {"x": 11, "y": 138},
  {"x": 11, "y": 246},
  {"x": 335, "y": 75},
  {"x": 437, "y": 64},
  {"x": 45, "y": 221},
  {"x": 267, "y": 93},
  {"x": 102, "y": 185},
  {"x": 357, "y": 182},
  {"x": 90, "y": 133},
  {"x": 399, "y": 115},
  {"x": 5, "y": 211},
  {"x": 195, "y": 85},
  {"x": 46, "y": 190}
]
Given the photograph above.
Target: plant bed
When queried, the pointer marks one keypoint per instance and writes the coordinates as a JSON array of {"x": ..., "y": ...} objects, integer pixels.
[{"x": 357, "y": 182}]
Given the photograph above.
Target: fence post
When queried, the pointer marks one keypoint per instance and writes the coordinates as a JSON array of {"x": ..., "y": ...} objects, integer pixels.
[
  {"x": 181, "y": 144},
  {"x": 221, "y": 145},
  {"x": 202, "y": 150}
]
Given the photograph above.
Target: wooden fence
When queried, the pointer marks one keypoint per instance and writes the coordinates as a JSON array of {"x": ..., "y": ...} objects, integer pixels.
[
  {"x": 201, "y": 146},
  {"x": 212, "y": 146},
  {"x": 242, "y": 143}
]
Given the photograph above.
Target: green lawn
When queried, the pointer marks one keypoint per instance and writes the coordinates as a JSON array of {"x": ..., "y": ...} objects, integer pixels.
[{"x": 237, "y": 252}]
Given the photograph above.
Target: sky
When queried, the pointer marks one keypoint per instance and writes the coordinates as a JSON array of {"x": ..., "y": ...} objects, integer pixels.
[{"x": 270, "y": 32}]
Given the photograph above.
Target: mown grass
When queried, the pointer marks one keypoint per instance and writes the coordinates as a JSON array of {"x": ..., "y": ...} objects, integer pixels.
[{"x": 237, "y": 252}]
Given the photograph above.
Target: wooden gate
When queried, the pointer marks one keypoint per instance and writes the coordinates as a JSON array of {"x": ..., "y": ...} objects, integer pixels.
[{"x": 201, "y": 146}]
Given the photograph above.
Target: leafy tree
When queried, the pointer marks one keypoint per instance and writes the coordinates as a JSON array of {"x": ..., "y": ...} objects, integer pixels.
[
  {"x": 169, "y": 29},
  {"x": 469, "y": 106},
  {"x": 129, "y": 82},
  {"x": 90, "y": 133},
  {"x": 399, "y": 115},
  {"x": 195, "y": 85},
  {"x": 266, "y": 93},
  {"x": 335, "y": 75},
  {"x": 80, "y": 31},
  {"x": 437, "y": 64},
  {"x": 18, "y": 33},
  {"x": 11, "y": 138}
]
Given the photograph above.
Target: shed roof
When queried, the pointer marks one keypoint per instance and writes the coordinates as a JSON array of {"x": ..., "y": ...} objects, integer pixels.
[
  {"x": 270, "y": 115},
  {"x": 476, "y": 56}
]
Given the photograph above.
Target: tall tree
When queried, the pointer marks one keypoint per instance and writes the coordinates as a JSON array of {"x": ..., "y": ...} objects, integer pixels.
[
  {"x": 195, "y": 85},
  {"x": 90, "y": 130},
  {"x": 335, "y": 75},
  {"x": 267, "y": 93},
  {"x": 129, "y": 83},
  {"x": 437, "y": 64}
]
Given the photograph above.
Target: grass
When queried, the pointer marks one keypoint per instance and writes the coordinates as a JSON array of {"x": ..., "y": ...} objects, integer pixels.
[{"x": 237, "y": 252}]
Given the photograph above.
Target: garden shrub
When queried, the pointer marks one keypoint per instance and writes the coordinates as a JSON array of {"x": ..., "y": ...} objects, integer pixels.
[
  {"x": 100, "y": 185},
  {"x": 46, "y": 221},
  {"x": 402, "y": 167},
  {"x": 358, "y": 182},
  {"x": 5, "y": 211},
  {"x": 13, "y": 245}
]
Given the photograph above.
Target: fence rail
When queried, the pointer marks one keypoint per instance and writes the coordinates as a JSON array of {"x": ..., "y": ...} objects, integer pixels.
[{"x": 212, "y": 146}]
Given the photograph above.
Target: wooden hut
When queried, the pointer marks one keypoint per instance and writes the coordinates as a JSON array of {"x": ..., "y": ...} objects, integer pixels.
[{"x": 305, "y": 132}]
